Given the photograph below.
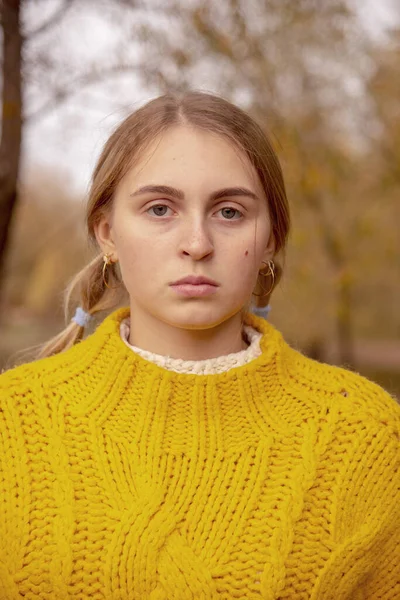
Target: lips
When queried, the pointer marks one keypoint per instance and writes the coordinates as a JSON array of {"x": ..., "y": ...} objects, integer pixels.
[{"x": 195, "y": 280}]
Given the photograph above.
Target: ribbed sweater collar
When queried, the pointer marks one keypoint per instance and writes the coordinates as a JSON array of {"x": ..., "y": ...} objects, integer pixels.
[
  {"x": 127, "y": 394},
  {"x": 107, "y": 341}
]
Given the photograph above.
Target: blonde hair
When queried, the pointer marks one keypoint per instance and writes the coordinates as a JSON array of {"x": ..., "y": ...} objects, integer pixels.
[{"x": 207, "y": 112}]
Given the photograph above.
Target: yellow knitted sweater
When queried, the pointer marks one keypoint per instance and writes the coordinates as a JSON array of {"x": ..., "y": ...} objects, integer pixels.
[{"x": 120, "y": 479}]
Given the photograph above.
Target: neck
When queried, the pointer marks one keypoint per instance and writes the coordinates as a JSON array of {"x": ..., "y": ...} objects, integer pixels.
[{"x": 154, "y": 335}]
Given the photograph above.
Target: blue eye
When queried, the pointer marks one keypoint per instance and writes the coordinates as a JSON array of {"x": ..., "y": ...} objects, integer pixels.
[
  {"x": 157, "y": 207},
  {"x": 230, "y": 211},
  {"x": 160, "y": 210}
]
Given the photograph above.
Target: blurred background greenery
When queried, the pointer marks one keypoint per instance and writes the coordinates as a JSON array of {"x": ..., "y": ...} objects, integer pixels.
[{"x": 322, "y": 78}]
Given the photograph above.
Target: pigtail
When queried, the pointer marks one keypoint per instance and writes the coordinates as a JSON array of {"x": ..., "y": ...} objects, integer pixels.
[{"x": 95, "y": 296}]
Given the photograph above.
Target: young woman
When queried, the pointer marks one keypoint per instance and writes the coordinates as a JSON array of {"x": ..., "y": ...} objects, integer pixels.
[{"x": 184, "y": 449}]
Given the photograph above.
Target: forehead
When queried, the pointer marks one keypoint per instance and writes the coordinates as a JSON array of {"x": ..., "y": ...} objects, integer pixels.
[{"x": 187, "y": 152}]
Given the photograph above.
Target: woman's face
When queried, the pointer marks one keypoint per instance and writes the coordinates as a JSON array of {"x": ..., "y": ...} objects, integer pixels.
[{"x": 192, "y": 205}]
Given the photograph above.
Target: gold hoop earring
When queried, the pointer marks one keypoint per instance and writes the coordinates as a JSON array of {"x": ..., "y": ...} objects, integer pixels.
[
  {"x": 271, "y": 267},
  {"x": 107, "y": 261}
]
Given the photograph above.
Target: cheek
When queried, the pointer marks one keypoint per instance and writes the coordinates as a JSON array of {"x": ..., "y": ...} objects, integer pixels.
[
  {"x": 245, "y": 266},
  {"x": 130, "y": 251},
  {"x": 248, "y": 263},
  {"x": 138, "y": 255},
  {"x": 129, "y": 240},
  {"x": 248, "y": 255}
]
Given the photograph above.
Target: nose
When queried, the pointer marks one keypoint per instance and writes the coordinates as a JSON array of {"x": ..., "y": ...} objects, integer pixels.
[{"x": 195, "y": 240}]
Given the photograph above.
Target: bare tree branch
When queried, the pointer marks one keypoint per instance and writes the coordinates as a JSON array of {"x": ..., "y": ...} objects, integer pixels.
[
  {"x": 54, "y": 19},
  {"x": 81, "y": 82}
]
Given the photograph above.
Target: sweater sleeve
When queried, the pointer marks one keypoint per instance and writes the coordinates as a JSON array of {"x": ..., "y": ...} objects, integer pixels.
[
  {"x": 15, "y": 402},
  {"x": 362, "y": 427},
  {"x": 365, "y": 562},
  {"x": 379, "y": 504},
  {"x": 384, "y": 583}
]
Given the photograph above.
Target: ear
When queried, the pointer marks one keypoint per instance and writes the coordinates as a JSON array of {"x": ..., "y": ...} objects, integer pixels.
[
  {"x": 269, "y": 251},
  {"x": 104, "y": 236}
]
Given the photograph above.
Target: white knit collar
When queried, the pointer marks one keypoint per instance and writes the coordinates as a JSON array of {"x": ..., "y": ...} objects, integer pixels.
[{"x": 208, "y": 366}]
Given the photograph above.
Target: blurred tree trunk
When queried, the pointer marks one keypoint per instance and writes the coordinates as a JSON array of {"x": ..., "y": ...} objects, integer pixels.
[
  {"x": 345, "y": 329},
  {"x": 10, "y": 144},
  {"x": 336, "y": 254}
]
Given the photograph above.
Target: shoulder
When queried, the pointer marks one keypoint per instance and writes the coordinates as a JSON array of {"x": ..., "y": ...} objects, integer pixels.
[
  {"x": 52, "y": 376},
  {"x": 33, "y": 378},
  {"x": 32, "y": 393},
  {"x": 350, "y": 392},
  {"x": 28, "y": 373},
  {"x": 19, "y": 378},
  {"x": 22, "y": 387}
]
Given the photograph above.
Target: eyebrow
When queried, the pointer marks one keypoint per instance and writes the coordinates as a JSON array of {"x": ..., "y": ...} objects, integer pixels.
[{"x": 171, "y": 191}]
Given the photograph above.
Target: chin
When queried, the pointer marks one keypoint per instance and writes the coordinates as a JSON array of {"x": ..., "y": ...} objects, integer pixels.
[{"x": 198, "y": 317}]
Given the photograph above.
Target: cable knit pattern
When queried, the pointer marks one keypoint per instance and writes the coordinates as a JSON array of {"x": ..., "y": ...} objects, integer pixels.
[
  {"x": 200, "y": 367},
  {"x": 119, "y": 479}
]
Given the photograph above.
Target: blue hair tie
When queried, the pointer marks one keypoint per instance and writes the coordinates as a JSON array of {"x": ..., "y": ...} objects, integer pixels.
[
  {"x": 261, "y": 311},
  {"x": 81, "y": 317}
]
